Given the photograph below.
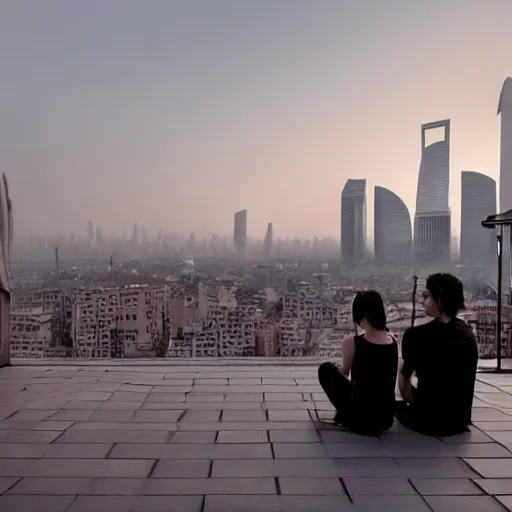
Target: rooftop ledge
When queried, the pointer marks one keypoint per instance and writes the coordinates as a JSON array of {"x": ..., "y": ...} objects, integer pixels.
[{"x": 230, "y": 435}]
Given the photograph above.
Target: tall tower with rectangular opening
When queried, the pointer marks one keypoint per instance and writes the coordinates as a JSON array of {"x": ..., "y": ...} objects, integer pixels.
[{"x": 432, "y": 221}]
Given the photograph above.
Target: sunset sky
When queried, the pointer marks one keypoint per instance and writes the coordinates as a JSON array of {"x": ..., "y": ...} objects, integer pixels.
[{"x": 177, "y": 113}]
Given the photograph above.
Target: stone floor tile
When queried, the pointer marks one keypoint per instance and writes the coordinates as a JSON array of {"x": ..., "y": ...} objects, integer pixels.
[
  {"x": 506, "y": 501},
  {"x": 125, "y": 396},
  {"x": 501, "y": 437},
  {"x": 127, "y": 425},
  {"x": 201, "y": 416},
  {"x": 72, "y": 415},
  {"x": 155, "y": 416},
  {"x": 103, "y": 503},
  {"x": 32, "y": 415},
  {"x": 204, "y": 397},
  {"x": 491, "y": 468},
  {"x": 210, "y": 382},
  {"x": 11, "y": 503},
  {"x": 243, "y": 397},
  {"x": 110, "y": 405},
  {"x": 494, "y": 426},
  {"x": 495, "y": 486},
  {"x": 299, "y": 451},
  {"x": 115, "y": 436},
  {"x": 244, "y": 425},
  {"x": 202, "y": 486},
  {"x": 294, "y": 468},
  {"x": 28, "y": 436},
  {"x": 445, "y": 487},
  {"x": 53, "y": 451},
  {"x": 190, "y": 451},
  {"x": 316, "y": 503},
  {"x": 249, "y": 436},
  {"x": 435, "y": 468},
  {"x": 287, "y": 406},
  {"x": 268, "y": 381},
  {"x": 481, "y": 450},
  {"x": 302, "y": 415},
  {"x": 6, "y": 483},
  {"x": 245, "y": 382},
  {"x": 194, "y": 437},
  {"x": 246, "y": 416},
  {"x": 341, "y": 450},
  {"x": 367, "y": 467},
  {"x": 136, "y": 388},
  {"x": 182, "y": 469},
  {"x": 311, "y": 486},
  {"x": 283, "y": 397},
  {"x": 166, "y": 397},
  {"x": 391, "y": 504},
  {"x": 35, "y": 425},
  {"x": 489, "y": 415},
  {"x": 343, "y": 436},
  {"x": 473, "y": 436},
  {"x": 294, "y": 436},
  {"x": 58, "y": 468},
  {"x": 103, "y": 415},
  {"x": 242, "y": 504},
  {"x": 463, "y": 504},
  {"x": 52, "y": 486},
  {"x": 86, "y": 405},
  {"x": 379, "y": 486}
]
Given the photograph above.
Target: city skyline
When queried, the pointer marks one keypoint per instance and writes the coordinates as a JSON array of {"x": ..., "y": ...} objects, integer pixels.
[{"x": 231, "y": 107}]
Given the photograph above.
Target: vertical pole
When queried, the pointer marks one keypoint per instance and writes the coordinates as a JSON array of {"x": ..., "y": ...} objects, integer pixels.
[
  {"x": 414, "y": 291},
  {"x": 498, "y": 302}
]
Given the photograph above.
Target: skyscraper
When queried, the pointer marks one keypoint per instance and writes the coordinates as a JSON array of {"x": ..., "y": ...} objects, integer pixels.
[
  {"x": 478, "y": 202},
  {"x": 353, "y": 221},
  {"x": 432, "y": 221},
  {"x": 392, "y": 228},
  {"x": 267, "y": 242},
  {"x": 240, "y": 234},
  {"x": 505, "y": 109}
]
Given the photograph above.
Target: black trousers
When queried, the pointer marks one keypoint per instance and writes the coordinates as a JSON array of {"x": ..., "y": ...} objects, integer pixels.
[{"x": 337, "y": 388}]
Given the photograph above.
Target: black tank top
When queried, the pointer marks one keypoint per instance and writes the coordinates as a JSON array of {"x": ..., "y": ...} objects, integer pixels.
[{"x": 373, "y": 382}]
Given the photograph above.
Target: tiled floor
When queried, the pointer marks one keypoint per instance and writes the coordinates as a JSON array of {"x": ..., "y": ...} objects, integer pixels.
[{"x": 230, "y": 438}]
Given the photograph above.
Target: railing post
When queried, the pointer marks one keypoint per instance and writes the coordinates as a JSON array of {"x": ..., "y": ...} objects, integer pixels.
[{"x": 498, "y": 301}]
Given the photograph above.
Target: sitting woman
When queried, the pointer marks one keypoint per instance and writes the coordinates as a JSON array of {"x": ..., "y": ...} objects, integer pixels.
[{"x": 362, "y": 389}]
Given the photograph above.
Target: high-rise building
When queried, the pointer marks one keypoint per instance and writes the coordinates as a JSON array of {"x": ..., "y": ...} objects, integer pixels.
[
  {"x": 432, "y": 221},
  {"x": 392, "y": 228},
  {"x": 267, "y": 242},
  {"x": 353, "y": 221},
  {"x": 240, "y": 234},
  {"x": 478, "y": 202},
  {"x": 505, "y": 109}
]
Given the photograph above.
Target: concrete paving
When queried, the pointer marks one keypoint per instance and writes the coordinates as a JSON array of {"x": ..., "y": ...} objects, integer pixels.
[{"x": 228, "y": 438}]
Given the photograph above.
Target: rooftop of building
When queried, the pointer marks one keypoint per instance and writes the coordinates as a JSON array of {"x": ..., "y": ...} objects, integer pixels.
[{"x": 247, "y": 435}]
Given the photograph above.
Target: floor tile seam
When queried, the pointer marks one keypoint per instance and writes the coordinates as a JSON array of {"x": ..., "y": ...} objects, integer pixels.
[
  {"x": 420, "y": 495},
  {"x": 495, "y": 386},
  {"x": 18, "y": 479}
]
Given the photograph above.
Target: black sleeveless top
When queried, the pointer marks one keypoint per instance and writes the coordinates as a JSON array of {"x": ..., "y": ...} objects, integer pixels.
[{"x": 373, "y": 382}]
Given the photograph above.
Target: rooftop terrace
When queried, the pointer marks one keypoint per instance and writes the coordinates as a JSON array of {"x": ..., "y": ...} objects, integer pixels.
[{"x": 152, "y": 437}]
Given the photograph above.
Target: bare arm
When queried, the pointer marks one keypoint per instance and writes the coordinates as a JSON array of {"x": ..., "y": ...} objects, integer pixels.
[
  {"x": 406, "y": 368},
  {"x": 404, "y": 384},
  {"x": 347, "y": 355}
]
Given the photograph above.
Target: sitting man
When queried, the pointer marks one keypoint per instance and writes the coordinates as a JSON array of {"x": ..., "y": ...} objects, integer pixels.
[{"x": 443, "y": 354}]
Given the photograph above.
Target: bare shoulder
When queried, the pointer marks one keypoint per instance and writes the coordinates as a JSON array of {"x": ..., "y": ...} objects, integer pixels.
[{"x": 348, "y": 343}]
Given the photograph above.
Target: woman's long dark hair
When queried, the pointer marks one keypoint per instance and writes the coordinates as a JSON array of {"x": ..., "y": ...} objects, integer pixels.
[{"x": 369, "y": 304}]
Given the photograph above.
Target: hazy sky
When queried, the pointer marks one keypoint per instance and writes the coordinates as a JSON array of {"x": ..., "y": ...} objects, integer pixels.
[{"x": 177, "y": 113}]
